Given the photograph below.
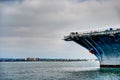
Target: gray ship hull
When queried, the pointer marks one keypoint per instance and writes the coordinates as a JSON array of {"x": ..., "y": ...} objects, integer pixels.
[{"x": 105, "y": 45}]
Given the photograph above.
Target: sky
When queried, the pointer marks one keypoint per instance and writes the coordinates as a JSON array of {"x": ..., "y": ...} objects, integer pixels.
[{"x": 35, "y": 28}]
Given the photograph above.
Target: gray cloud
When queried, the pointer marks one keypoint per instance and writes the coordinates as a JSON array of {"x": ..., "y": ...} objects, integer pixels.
[{"x": 37, "y": 26}]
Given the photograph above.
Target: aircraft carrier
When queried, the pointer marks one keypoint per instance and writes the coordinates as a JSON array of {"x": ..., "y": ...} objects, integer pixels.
[{"x": 104, "y": 44}]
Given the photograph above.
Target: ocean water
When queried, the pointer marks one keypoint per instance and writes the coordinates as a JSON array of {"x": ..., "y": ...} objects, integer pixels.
[{"x": 56, "y": 71}]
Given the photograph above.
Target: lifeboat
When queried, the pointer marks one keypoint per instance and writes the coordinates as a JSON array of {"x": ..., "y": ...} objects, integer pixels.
[{"x": 92, "y": 51}]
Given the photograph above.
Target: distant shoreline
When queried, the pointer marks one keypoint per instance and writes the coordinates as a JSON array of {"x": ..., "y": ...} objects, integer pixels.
[{"x": 42, "y": 59}]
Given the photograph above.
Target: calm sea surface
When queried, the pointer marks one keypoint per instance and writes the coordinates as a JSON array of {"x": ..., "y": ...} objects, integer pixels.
[{"x": 56, "y": 71}]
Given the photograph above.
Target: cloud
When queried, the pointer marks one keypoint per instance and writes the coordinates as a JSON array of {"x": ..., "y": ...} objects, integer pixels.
[{"x": 41, "y": 24}]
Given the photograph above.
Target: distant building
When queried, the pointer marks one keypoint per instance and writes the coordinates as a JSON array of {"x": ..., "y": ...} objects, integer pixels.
[{"x": 32, "y": 59}]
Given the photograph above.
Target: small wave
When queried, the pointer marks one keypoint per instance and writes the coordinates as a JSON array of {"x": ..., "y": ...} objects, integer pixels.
[{"x": 81, "y": 69}]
